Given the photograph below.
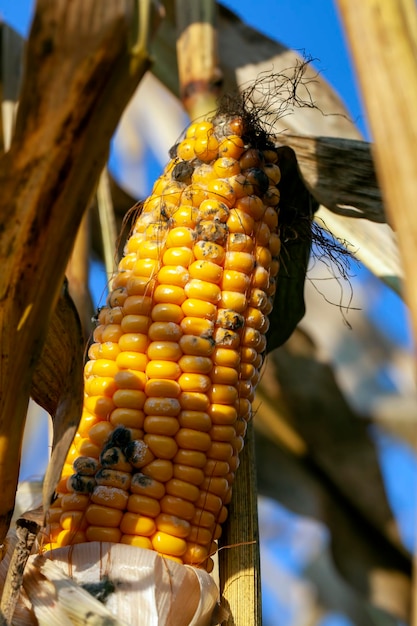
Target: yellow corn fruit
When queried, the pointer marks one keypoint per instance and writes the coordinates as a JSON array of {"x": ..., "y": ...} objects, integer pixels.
[{"x": 177, "y": 353}]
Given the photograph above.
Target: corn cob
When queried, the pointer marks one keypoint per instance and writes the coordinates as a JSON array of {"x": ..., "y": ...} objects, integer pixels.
[{"x": 177, "y": 353}]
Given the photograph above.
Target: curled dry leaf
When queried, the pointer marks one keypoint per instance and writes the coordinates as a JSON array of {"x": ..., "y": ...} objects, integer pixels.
[{"x": 57, "y": 384}]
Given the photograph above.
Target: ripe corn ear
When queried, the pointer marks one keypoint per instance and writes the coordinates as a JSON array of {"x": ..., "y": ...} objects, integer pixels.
[{"x": 177, "y": 353}]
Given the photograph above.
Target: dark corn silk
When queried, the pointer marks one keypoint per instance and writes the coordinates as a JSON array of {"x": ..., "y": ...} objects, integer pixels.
[{"x": 177, "y": 353}]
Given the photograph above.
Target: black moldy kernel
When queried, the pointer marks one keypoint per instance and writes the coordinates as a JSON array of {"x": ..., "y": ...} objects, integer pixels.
[
  {"x": 258, "y": 179},
  {"x": 141, "y": 480},
  {"x": 81, "y": 484},
  {"x": 116, "y": 297},
  {"x": 135, "y": 452},
  {"x": 85, "y": 465},
  {"x": 173, "y": 151},
  {"x": 120, "y": 437},
  {"x": 182, "y": 172},
  {"x": 112, "y": 456}
]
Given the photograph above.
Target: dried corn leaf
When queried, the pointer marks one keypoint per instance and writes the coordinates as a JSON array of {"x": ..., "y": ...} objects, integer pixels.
[{"x": 57, "y": 385}]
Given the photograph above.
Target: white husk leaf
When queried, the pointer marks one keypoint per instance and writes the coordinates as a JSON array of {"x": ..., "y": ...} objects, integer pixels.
[{"x": 141, "y": 588}]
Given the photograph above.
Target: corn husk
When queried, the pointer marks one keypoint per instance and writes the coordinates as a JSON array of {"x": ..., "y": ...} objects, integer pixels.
[{"x": 134, "y": 586}]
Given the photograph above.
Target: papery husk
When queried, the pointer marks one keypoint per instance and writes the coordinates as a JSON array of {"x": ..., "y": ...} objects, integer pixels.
[{"x": 135, "y": 586}]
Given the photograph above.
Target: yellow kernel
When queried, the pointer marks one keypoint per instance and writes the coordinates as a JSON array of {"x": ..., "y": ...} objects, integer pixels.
[
  {"x": 132, "y": 361},
  {"x": 180, "y": 255},
  {"x": 163, "y": 369},
  {"x": 169, "y": 294},
  {"x": 220, "y": 451},
  {"x": 178, "y": 507},
  {"x": 226, "y": 375},
  {"x": 133, "y": 342},
  {"x": 167, "y": 312},
  {"x": 172, "y": 525},
  {"x": 99, "y": 433},
  {"x": 256, "y": 319},
  {"x": 275, "y": 244},
  {"x": 209, "y": 502},
  {"x": 108, "y": 350},
  {"x": 164, "y": 331},
  {"x": 157, "y": 387},
  {"x": 247, "y": 371},
  {"x": 194, "y": 382},
  {"x": 110, "y": 496},
  {"x": 169, "y": 407},
  {"x": 70, "y": 537},
  {"x": 149, "y": 507},
  {"x": 185, "y": 215},
  {"x": 74, "y": 502},
  {"x": 239, "y": 261},
  {"x": 271, "y": 197},
  {"x": 147, "y": 486},
  {"x": 238, "y": 444},
  {"x": 167, "y": 544},
  {"x": 87, "y": 448},
  {"x": 197, "y": 326},
  {"x": 185, "y": 149},
  {"x": 145, "y": 247},
  {"x": 98, "y": 515},
  {"x": 235, "y": 281},
  {"x": 194, "y": 475},
  {"x": 161, "y": 425},
  {"x": 164, "y": 351},
  {"x": 232, "y": 147},
  {"x": 206, "y": 146},
  {"x": 101, "y": 406},
  {"x": 209, "y": 251},
  {"x": 73, "y": 520},
  {"x": 129, "y": 398},
  {"x": 130, "y": 379},
  {"x": 146, "y": 268},
  {"x": 181, "y": 489},
  {"x": 196, "y": 364},
  {"x": 103, "y": 367},
  {"x": 101, "y": 533},
  {"x": 233, "y": 300},
  {"x": 252, "y": 205},
  {"x": 140, "y": 285},
  {"x": 137, "y": 541},
  {"x": 173, "y": 275},
  {"x": 137, "y": 524},
  {"x": 162, "y": 446},
  {"x": 159, "y": 469},
  {"x": 137, "y": 305},
  {"x": 197, "y": 420},
  {"x": 99, "y": 386},
  {"x": 192, "y": 458},
  {"x": 203, "y": 290},
  {"x": 240, "y": 222},
  {"x": 226, "y": 166},
  {"x": 191, "y": 439},
  {"x": 222, "y": 414},
  {"x": 223, "y": 394},
  {"x": 197, "y": 346},
  {"x": 262, "y": 233},
  {"x": 251, "y": 337},
  {"x": 206, "y": 270},
  {"x": 200, "y": 535},
  {"x": 112, "y": 333},
  {"x": 195, "y": 554},
  {"x": 180, "y": 236},
  {"x": 216, "y": 468},
  {"x": 225, "y": 357},
  {"x": 199, "y": 128},
  {"x": 203, "y": 518},
  {"x": 194, "y": 401},
  {"x": 222, "y": 190},
  {"x": 273, "y": 172},
  {"x": 222, "y": 432},
  {"x": 241, "y": 427},
  {"x": 194, "y": 307}
]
